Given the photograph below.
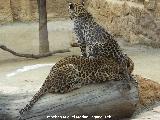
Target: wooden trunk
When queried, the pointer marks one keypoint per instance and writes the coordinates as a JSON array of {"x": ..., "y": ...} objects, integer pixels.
[{"x": 110, "y": 99}]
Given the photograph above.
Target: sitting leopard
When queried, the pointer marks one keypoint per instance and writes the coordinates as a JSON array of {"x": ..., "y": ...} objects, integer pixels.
[
  {"x": 94, "y": 37},
  {"x": 73, "y": 72}
]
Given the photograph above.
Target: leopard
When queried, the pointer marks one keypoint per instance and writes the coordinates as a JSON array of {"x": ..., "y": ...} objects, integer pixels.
[
  {"x": 75, "y": 71},
  {"x": 93, "y": 39}
]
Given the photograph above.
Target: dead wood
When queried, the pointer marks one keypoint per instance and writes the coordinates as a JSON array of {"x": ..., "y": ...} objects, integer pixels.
[
  {"x": 3, "y": 47},
  {"x": 107, "y": 99}
]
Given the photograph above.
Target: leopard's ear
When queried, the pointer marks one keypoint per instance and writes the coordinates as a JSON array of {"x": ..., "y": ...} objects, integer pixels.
[{"x": 82, "y": 2}]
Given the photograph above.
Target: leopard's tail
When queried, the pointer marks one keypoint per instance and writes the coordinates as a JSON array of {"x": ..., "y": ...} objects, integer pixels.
[{"x": 35, "y": 98}]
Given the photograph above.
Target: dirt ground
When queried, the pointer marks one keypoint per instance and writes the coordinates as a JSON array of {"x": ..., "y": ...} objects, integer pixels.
[
  {"x": 21, "y": 78},
  {"x": 149, "y": 97}
]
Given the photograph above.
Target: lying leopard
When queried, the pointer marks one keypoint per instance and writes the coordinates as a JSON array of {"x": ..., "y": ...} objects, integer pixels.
[
  {"x": 93, "y": 39},
  {"x": 74, "y": 72}
]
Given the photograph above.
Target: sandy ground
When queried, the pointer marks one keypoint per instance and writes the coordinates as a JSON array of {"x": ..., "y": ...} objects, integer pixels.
[{"x": 20, "y": 78}]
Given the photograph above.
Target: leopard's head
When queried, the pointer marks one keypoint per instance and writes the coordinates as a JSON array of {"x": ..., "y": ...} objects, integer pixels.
[{"x": 77, "y": 10}]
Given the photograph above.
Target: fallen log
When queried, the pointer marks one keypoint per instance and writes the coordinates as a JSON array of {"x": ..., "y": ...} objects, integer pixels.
[
  {"x": 3, "y": 47},
  {"x": 111, "y": 99}
]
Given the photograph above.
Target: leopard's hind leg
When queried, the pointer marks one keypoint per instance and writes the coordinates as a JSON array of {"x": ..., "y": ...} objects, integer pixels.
[
  {"x": 67, "y": 79},
  {"x": 61, "y": 80}
]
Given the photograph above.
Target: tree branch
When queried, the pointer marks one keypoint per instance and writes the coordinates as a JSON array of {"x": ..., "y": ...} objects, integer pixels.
[{"x": 3, "y": 47}]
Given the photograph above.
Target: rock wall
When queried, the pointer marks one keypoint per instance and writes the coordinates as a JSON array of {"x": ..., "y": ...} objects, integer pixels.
[
  {"x": 21, "y": 10},
  {"x": 5, "y": 11},
  {"x": 136, "y": 22},
  {"x": 27, "y": 10}
]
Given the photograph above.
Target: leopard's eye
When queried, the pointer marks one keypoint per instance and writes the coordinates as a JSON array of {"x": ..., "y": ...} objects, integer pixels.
[{"x": 71, "y": 6}]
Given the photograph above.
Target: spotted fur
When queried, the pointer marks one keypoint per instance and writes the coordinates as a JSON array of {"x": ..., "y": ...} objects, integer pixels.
[
  {"x": 93, "y": 39},
  {"x": 74, "y": 72}
]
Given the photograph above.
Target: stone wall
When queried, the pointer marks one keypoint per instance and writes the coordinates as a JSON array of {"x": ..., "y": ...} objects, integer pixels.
[
  {"x": 5, "y": 11},
  {"x": 135, "y": 22},
  {"x": 27, "y": 10},
  {"x": 21, "y": 10}
]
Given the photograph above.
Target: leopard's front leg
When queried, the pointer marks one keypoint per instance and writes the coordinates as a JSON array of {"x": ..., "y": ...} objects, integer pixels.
[
  {"x": 93, "y": 50},
  {"x": 81, "y": 41},
  {"x": 82, "y": 46}
]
